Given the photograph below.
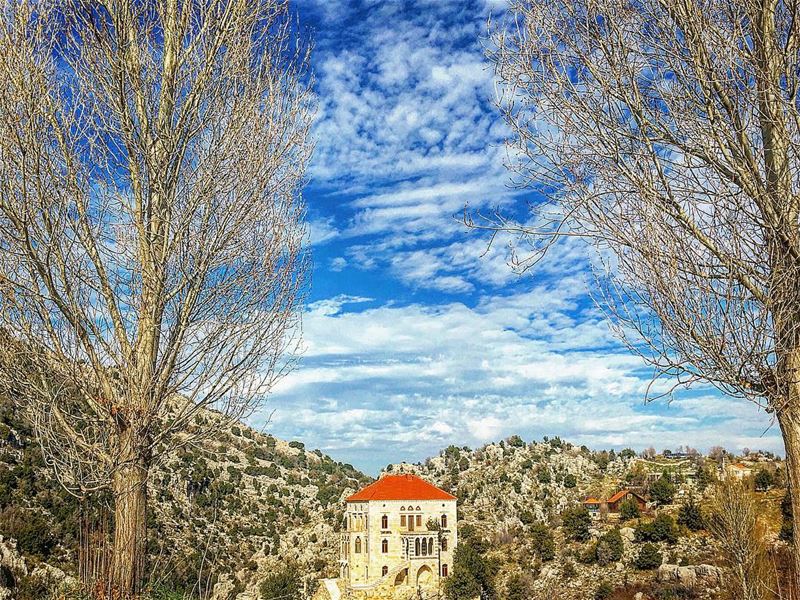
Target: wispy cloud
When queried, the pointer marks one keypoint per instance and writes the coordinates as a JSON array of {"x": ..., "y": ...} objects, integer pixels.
[{"x": 419, "y": 333}]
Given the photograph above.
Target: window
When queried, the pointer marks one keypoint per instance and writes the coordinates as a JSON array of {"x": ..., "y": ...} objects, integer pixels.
[
  {"x": 419, "y": 520},
  {"x": 444, "y": 570},
  {"x": 417, "y": 548},
  {"x": 402, "y": 520},
  {"x": 385, "y": 546},
  {"x": 358, "y": 545},
  {"x": 384, "y": 571},
  {"x": 444, "y": 521},
  {"x": 385, "y": 522},
  {"x": 424, "y": 547},
  {"x": 444, "y": 544}
]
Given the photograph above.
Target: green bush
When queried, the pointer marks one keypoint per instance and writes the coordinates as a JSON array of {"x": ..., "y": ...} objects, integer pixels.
[
  {"x": 663, "y": 490},
  {"x": 690, "y": 516},
  {"x": 603, "y": 591},
  {"x": 610, "y": 548},
  {"x": 31, "y": 529},
  {"x": 763, "y": 480},
  {"x": 629, "y": 509},
  {"x": 518, "y": 587},
  {"x": 662, "y": 529},
  {"x": 576, "y": 521},
  {"x": 473, "y": 574},
  {"x": 284, "y": 584},
  {"x": 542, "y": 541},
  {"x": 570, "y": 481},
  {"x": 648, "y": 558}
]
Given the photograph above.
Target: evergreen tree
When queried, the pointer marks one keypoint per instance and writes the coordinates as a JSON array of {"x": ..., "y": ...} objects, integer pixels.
[
  {"x": 543, "y": 543},
  {"x": 576, "y": 521},
  {"x": 690, "y": 516},
  {"x": 663, "y": 490},
  {"x": 629, "y": 509},
  {"x": 610, "y": 548},
  {"x": 648, "y": 558}
]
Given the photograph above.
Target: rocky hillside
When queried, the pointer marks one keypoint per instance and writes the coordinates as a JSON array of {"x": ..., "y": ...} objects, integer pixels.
[
  {"x": 225, "y": 512},
  {"x": 242, "y": 506},
  {"x": 520, "y": 506}
]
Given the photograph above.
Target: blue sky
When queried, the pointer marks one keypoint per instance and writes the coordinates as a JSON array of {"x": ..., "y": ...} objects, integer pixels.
[{"x": 416, "y": 336}]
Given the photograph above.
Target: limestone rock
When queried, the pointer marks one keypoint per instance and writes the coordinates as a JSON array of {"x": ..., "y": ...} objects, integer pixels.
[
  {"x": 10, "y": 558},
  {"x": 690, "y": 576}
]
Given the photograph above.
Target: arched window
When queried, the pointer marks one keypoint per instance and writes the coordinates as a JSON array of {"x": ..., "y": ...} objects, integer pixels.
[
  {"x": 430, "y": 545},
  {"x": 385, "y": 522},
  {"x": 444, "y": 570},
  {"x": 417, "y": 551},
  {"x": 358, "y": 545},
  {"x": 425, "y": 547},
  {"x": 444, "y": 544},
  {"x": 384, "y": 571},
  {"x": 385, "y": 546},
  {"x": 444, "y": 521}
]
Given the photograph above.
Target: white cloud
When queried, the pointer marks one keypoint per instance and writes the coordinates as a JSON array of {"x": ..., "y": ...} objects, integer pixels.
[{"x": 405, "y": 381}]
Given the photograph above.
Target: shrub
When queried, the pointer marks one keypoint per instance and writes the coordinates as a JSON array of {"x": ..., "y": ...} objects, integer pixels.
[
  {"x": 570, "y": 481},
  {"x": 516, "y": 441},
  {"x": 519, "y": 587},
  {"x": 763, "y": 480},
  {"x": 544, "y": 475},
  {"x": 576, "y": 521},
  {"x": 648, "y": 558},
  {"x": 610, "y": 548},
  {"x": 663, "y": 490},
  {"x": 31, "y": 529},
  {"x": 629, "y": 509},
  {"x": 603, "y": 591},
  {"x": 588, "y": 554},
  {"x": 473, "y": 574},
  {"x": 568, "y": 571},
  {"x": 662, "y": 529},
  {"x": 690, "y": 516},
  {"x": 284, "y": 584},
  {"x": 543, "y": 543}
]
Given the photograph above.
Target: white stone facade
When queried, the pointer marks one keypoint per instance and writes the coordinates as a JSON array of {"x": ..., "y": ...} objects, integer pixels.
[{"x": 398, "y": 543}]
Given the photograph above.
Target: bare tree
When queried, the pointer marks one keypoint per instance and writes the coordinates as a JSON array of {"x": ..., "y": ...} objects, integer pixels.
[
  {"x": 734, "y": 523},
  {"x": 666, "y": 133},
  {"x": 151, "y": 228}
]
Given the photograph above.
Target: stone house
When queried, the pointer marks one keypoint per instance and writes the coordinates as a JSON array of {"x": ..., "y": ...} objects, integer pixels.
[
  {"x": 398, "y": 532},
  {"x": 598, "y": 508}
]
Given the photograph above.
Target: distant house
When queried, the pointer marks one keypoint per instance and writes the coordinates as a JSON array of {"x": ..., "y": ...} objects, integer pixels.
[
  {"x": 617, "y": 499},
  {"x": 595, "y": 506},
  {"x": 738, "y": 471}
]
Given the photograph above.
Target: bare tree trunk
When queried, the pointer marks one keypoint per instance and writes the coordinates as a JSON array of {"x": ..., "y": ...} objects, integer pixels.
[
  {"x": 130, "y": 525},
  {"x": 790, "y": 428}
]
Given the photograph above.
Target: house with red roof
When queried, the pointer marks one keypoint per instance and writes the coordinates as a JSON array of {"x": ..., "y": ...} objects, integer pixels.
[
  {"x": 596, "y": 507},
  {"x": 398, "y": 532}
]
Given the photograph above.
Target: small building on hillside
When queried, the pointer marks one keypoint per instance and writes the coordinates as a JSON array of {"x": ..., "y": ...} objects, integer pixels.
[
  {"x": 398, "y": 532},
  {"x": 593, "y": 506},
  {"x": 737, "y": 471},
  {"x": 615, "y": 502},
  {"x": 597, "y": 507}
]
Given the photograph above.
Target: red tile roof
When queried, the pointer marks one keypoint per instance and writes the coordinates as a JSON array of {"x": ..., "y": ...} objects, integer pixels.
[
  {"x": 591, "y": 501},
  {"x": 400, "y": 487},
  {"x": 622, "y": 493}
]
